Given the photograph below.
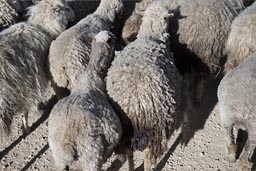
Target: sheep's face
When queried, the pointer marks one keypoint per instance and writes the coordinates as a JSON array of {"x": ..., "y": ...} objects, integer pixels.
[{"x": 52, "y": 15}]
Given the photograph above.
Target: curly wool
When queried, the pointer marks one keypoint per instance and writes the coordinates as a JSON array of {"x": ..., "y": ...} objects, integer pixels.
[
  {"x": 8, "y": 14},
  {"x": 83, "y": 127},
  {"x": 143, "y": 82},
  {"x": 242, "y": 39},
  {"x": 236, "y": 96},
  {"x": 69, "y": 53}
]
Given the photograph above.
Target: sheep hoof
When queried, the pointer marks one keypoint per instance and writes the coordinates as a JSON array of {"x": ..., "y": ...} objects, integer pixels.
[
  {"x": 25, "y": 130},
  {"x": 244, "y": 165},
  {"x": 231, "y": 153}
]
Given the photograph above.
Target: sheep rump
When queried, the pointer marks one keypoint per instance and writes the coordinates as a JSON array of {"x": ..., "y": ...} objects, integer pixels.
[
  {"x": 84, "y": 131},
  {"x": 236, "y": 95},
  {"x": 83, "y": 127},
  {"x": 133, "y": 82}
]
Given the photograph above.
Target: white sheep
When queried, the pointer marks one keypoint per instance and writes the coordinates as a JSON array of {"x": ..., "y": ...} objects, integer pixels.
[
  {"x": 242, "y": 38},
  {"x": 83, "y": 127},
  {"x": 143, "y": 84},
  {"x": 69, "y": 53},
  {"x": 23, "y": 52},
  {"x": 237, "y": 101}
]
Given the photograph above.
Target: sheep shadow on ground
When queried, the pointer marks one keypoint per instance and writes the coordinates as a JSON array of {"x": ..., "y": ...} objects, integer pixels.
[
  {"x": 35, "y": 125},
  {"x": 198, "y": 115}
]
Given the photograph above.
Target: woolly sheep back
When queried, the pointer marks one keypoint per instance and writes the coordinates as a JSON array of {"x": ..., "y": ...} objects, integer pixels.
[
  {"x": 236, "y": 96},
  {"x": 8, "y": 14},
  {"x": 143, "y": 84},
  {"x": 83, "y": 127}
]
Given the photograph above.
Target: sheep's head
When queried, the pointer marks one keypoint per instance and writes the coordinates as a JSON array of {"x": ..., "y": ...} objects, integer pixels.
[
  {"x": 131, "y": 28},
  {"x": 51, "y": 15},
  {"x": 155, "y": 20},
  {"x": 102, "y": 52}
]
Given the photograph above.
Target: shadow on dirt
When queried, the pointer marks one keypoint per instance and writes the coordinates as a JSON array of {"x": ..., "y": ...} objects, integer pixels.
[{"x": 35, "y": 125}]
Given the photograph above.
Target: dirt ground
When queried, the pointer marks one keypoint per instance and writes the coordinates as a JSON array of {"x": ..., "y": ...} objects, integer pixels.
[{"x": 204, "y": 152}]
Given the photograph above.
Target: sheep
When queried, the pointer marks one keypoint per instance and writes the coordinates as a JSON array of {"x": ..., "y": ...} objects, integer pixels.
[
  {"x": 23, "y": 51},
  {"x": 132, "y": 24},
  {"x": 236, "y": 96},
  {"x": 143, "y": 84},
  {"x": 8, "y": 14},
  {"x": 69, "y": 53},
  {"x": 242, "y": 39},
  {"x": 83, "y": 127},
  {"x": 199, "y": 32}
]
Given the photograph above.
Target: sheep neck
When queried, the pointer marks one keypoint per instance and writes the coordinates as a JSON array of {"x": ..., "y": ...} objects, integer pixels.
[
  {"x": 100, "y": 60},
  {"x": 90, "y": 80}
]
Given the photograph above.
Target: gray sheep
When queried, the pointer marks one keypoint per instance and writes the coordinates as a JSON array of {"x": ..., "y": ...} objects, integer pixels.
[
  {"x": 23, "y": 52},
  {"x": 8, "y": 13},
  {"x": 199, "y": 30},
  {"x": 143, "y": 83},
  {"x": 241, "y": 42},
  {"x": 69, "y": 53},
  {"x": 83, "y": 127},
  {"x": 237, "y": 101}
]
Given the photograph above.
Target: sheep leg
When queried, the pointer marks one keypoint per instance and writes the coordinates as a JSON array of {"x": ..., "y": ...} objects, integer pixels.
[
  {"x": 25, "y": 128},
  {"x": 129, "y": 153},
  {"x": 231, "y": 146},
  {"x": 154, "y": 162},
  {"x": 147, "y": 162},
  {"x": 247, "y": 153}
]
